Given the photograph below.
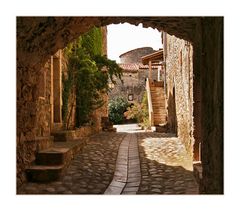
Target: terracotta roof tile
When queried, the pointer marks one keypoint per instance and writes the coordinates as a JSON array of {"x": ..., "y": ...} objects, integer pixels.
[{"x": 134, "y": 66}]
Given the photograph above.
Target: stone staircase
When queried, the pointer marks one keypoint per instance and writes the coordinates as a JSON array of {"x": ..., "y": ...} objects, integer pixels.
[
  {"x": 51, "y": 163},
  {"x": 158, "y": 104}
]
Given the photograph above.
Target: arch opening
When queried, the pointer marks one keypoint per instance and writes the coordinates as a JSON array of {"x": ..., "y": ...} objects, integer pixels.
[{"x": 39, "y": 38}]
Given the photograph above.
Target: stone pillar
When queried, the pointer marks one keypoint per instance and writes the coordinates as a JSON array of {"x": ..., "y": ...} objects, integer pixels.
[
  {"x": 57, "y": 87},
  {"x": 197, "y": 122},
  {"x": 51, "y": 96}
]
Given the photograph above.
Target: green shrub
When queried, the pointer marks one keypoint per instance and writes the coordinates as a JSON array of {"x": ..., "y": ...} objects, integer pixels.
[
  {"x": 88, "y": 74},
  {"x": 117, "y": 107},
  {"x": 139, "y": 112}
]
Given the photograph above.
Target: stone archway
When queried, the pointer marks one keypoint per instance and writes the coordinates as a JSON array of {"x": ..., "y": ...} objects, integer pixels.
[{"x": 39, "y": 38}]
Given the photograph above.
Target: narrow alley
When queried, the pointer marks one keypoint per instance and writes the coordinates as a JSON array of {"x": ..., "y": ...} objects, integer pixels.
[
  {"x": 76, "y": 106},
  {"x": 130, "y": 161}
]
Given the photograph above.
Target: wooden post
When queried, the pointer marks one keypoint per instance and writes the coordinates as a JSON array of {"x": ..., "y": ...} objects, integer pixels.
[
  {"x": 150, "y": 70},
  {"x": 159, "y": 73}
]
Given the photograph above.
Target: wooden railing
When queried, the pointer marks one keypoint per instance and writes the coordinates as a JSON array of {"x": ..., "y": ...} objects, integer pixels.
[{"x": 150, "y": 107}]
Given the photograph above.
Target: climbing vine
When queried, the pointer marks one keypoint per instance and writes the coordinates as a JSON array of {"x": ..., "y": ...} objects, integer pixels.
[{"x": 88, "y": 72}]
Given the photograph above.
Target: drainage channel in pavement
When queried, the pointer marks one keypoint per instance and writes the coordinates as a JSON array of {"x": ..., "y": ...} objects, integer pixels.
[{"x": 127, "y": 175}]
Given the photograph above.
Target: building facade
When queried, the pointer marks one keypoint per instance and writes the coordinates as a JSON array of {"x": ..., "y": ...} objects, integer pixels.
[
  {"x": 39, "y": 111},
  {"x": 134, "y": 75}
]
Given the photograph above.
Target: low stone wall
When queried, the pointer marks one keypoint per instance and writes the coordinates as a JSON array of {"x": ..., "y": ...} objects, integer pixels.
[{"x": 85, "y": 131}]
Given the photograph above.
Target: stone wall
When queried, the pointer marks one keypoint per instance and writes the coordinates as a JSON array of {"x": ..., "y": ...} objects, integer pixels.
[
  {"x": 36, "y": 95},
  {"x": 134, "y": 56},
  {"x": 179, "y": 79},
  {"x": 33, "y": 128},
  {"x": 134, "y": 75},
  {"x": 212, "y": 105},
  {"x": 134, "y": 82}
]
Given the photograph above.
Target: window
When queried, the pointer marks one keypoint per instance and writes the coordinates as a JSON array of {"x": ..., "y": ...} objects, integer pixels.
[{"x": 130, "y": 97}]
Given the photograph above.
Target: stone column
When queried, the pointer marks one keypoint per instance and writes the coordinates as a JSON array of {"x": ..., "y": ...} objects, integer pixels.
[
  {"x": 197, "y": 121},
  {"x": 51, "y": 96},
  {"x": 57, "y": 87}
]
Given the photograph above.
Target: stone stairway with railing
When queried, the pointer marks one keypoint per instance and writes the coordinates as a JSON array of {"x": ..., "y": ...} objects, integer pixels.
[
  {"x": 159, "y": 113},
  {"x": 158, "y": 103}
]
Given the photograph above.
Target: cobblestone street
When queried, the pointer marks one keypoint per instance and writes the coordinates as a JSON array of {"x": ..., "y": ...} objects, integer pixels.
[
  {"x": 130, "y": 161},
  {"x": 165, "y": 166}
]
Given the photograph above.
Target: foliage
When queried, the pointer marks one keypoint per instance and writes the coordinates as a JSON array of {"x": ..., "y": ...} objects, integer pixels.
[
  {"x": 110, "y": 66},
  {"x": 88, "y": 73},
  {"x": 134, "y": 112},
  {"x": 139, "y": 112},
  {"x": 67, "y": 85},
  {"x": 117, "y": 107},
  {"x": 92, "y": 42}
]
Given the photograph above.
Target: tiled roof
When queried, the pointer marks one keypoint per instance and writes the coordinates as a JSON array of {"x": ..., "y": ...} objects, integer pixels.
[
  {"x": 156, "y": 56},
  {"x": 134, "y": 66}
]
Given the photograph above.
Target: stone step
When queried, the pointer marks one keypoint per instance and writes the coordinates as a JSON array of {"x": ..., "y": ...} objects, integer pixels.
[
  {"x": 157, "y": 91},
  {"x": 155, "y": 107},
  {"x": 159, "y": 115},
  {"x": 159, "y": 112},
  {"x": 158, "y": 102},
  {"x": 50, "y": 163},
  {"x": 53, "y": 156},
  {"x": 158, "y": 109},
  {"x": 63, "y": 136},
  {"x": 161, "y": 120},
  {"x": 161, "y": 106},
  {"x": 161, "y": 128},
  {"x": 157, "y": 87},
  {"x": 40, "y": 173},
  {"x": 157, "y": 94},
  {"x": 158, "y": 99}
]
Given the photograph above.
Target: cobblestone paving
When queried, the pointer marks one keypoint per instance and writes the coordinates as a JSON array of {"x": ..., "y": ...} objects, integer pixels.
[
  {"x": 165, "y": 166},
  {"x": 89, "y": 173}
]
